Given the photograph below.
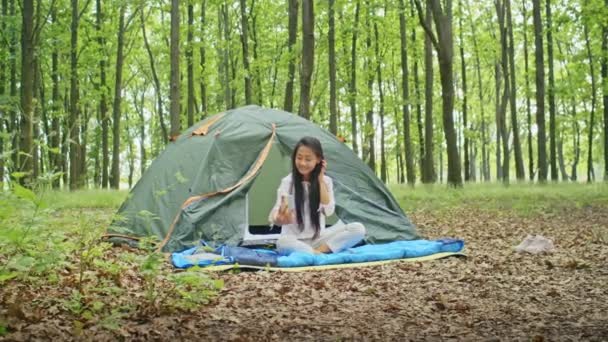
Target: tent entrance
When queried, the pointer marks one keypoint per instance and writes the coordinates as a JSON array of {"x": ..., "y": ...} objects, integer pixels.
[{"x": 262, "y": 195}]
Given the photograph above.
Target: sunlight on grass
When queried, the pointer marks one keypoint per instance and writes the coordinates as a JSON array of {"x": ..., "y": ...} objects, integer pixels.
[
  {"x": 522, "y": 198},
  {"x": 85, "y": 199}
]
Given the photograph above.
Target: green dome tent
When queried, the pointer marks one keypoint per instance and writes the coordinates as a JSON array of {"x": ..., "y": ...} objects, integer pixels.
[{"x": 217, "y": 182}]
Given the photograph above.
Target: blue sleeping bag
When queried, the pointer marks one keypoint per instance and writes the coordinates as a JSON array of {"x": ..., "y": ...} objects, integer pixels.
[{"x": 367, "y": 253}]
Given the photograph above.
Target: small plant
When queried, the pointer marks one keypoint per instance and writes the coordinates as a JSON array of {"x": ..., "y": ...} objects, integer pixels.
[{"x": 194, "y": 288}]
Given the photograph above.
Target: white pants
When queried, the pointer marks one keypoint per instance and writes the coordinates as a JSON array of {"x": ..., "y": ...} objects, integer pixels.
[{"x": 338, "y": 237}]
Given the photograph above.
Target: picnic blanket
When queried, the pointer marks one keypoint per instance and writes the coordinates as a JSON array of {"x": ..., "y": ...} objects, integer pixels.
[{"x": 264, "y": 258}]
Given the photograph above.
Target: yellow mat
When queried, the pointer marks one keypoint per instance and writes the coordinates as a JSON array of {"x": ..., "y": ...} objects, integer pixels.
[{"x": 220, "y": 268}]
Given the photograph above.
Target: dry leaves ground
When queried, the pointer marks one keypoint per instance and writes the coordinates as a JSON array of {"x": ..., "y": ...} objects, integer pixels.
[{"x": 493, "y": 294}]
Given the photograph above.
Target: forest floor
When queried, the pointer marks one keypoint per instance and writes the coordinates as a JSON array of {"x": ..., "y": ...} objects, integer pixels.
[{"x": 492, "y": 294}]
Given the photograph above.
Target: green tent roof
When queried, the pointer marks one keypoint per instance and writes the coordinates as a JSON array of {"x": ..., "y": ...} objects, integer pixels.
[{"x": 220, "y": 177}]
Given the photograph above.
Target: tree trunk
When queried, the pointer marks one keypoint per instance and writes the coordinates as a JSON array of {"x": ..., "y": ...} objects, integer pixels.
[
  {"x": 65, "y": 140},
  {"x": 498, "y": 158},
  {"x": 429, "y": 175},
  {"x": 190, "y": 65},
  {"x": 352, "y": 96},
  {"x": 383, "y": 167},
  {"x": 175, "y": 74},
  {"x": 590, "y": 171},
  {"x": 224, "y": 25},
  {"x": 369, "y": 130},
  {"x": 275, "y": 71},
  {"x": 257, "y": 67},
  {"x": 245, "y": 44},
  {"x": 444, "y": 46},
  {"x": 517, "y": 153},
  {"x": 27, "y": 93},
  {"x": 4, "y": 124},
  {"x": 560, "y": 153},
  {"x": 204, "y": 105},
  {"x": 116, "y": 113},
  {"x": 333, "y": 100},
  {"x": 74, "y": 122},
  {"x": 485, "y": 167},
  {"x": 14, "y": 125},
  {"x": 465, "y": 123},
  {"x": 576, "y": 142},
  {"x": 407, "y": 139},
  {"x": 604, "y": 67},
  {"x": 504, "y": 69},
  {"x": 551, "y": 96},
  {"x": 540, "y": 92},
  {"x": 38, "y": 116},
  {"x": 308, "y": 55},
  {"x": 83, "y": 147},
  {"x": 157, "y": 87},
  {"x": 531, "y": 169},
  {"x": 103, "y": 106},
  {"x": 139, "y": 108},
  {"x": 418, "y": 96},
  {"x": 291, "y": 41}
]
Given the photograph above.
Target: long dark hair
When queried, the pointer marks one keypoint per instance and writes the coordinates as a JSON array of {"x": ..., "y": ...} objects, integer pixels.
[{"x": 314, "y": 193}]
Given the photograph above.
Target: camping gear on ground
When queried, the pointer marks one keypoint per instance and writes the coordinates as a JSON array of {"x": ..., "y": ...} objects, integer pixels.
[
  {"x": 217, "y": 183},
  {"x": 246, "y": 257},
  {"x": 535, "y": 245}
]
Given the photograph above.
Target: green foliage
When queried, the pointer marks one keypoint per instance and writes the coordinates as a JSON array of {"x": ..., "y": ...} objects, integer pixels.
[
  {"x": 194, "y": 288},
  {"x": 60, "y": 248},
  {"x": 524, "y": 199}
]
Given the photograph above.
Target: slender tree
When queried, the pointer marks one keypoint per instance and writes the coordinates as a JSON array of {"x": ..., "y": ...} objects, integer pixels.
[
  {"x": 465, "y": 123},
  {"x": 517, "y": 153},
  {"x": 291, "y": 41},
  {"x": 203, "y": 56},
  {"x": 429, "y": 175},
  {"x": 528, "y": 102},
  {"x": 308, "y": 55},
  {"x": 551, "y": 95},
  {"x": 245, "y": 44},
  {"x": 74, "y": 122},
  {"x": 103, "y": 106},
  {"x": 604, "y": 61},
  {"x": 3, "y": 67},
  {"x": 257, "y": 68},
  {"x": 421, "y": 138},
  {"x": 157, "y": 86},
  {"x": 352, "y": 96},
  {"x": 333, "y": 100},
  {"x": 175, "y": 74},
  {"x": 383, "y": 167},
  {"x": 116, "y": 108},
  {"x": 540, "y": 91},
  {"x": 501, "y": 113},
  {"x": 407, "y": 139},
  {"x": 26, "y": 145},
  {"x": 190, "y": 65},
  {"x": 590, "y": 171},
  {"x": 369, "y": 129}
]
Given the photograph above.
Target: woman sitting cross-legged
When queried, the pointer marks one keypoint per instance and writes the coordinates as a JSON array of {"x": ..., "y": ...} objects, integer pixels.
[{"x": 304, "y": 199}]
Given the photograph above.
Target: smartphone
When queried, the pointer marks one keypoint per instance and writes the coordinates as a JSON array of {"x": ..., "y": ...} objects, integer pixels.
[{"x": 291, "y": 203}]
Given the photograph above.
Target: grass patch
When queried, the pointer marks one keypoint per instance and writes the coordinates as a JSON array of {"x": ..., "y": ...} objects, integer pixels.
[
  {"x": 85, "y": 199},
  {"x": 523, "y": 199}
]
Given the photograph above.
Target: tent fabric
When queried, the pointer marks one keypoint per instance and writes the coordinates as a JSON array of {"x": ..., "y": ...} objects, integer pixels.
[
  {"x": 363, "y": 254},
  {"x": 194, "y": 165}
]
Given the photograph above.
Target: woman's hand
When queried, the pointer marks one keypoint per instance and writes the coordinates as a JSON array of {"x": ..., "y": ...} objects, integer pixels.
[
  {"x": 284, "y": 215},
  {"x": 323, "y": 169}
]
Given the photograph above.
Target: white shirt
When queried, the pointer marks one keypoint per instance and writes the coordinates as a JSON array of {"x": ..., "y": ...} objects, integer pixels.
[{"x": 286, "y": 189}]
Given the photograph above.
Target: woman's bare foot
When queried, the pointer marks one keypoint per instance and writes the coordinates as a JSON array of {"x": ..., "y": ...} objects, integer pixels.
[{"x": 323, "y": 249}]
